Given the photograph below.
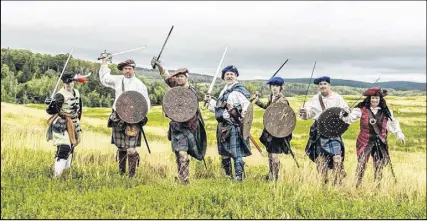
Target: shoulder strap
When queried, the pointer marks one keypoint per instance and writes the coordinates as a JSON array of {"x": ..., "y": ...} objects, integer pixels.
[
  {"x": 375, "y": 125},
  {"x": 321, "y": 102},
  {"x": 123, "y": 84}
]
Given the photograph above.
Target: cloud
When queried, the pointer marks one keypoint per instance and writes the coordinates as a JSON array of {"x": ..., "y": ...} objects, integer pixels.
[{"x": 347, "y": 39}]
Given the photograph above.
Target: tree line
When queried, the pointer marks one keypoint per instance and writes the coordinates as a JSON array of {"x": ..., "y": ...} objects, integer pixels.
[{"x": 28, "y": 77}]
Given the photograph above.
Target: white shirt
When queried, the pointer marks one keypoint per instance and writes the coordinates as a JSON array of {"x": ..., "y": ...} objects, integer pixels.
[
  {"x": 313, "y": 106},
  {"x": 115, "y": 82},
  {"x": 392, "y": 126},
  {"x": 234, "y": 97}
]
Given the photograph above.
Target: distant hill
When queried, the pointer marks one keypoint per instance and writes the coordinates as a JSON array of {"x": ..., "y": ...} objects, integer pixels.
[{"x": 396, "y": 85}]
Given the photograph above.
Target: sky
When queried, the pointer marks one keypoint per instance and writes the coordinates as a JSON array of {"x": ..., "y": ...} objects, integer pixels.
[{"x": 360, "y": 40}]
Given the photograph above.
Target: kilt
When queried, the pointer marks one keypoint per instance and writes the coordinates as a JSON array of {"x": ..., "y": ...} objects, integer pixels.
[
  {"x": 182, "y": 140},
  {"x": 274, "y": 144},
  {"x": 123, "y": 141},
  {"x": 234, "y": 145},
  {"x": 327, "y": 147}
]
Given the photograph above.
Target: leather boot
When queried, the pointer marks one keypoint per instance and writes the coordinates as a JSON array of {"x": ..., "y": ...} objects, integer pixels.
[
  {"x": 133, "y": 158},
  {"x": 122, "y": 161},
  {"x": 338, "y": 176},
  {"x": 226, "y": 165}
]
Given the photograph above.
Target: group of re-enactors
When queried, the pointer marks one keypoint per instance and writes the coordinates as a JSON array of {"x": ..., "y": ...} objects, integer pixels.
[{"x": 376, "y": 121}]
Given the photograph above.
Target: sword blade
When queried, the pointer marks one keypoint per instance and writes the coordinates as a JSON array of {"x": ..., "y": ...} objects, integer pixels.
[
  {"x": 66, "y": 63},
  {"x": 352, "y": 106},
  {"x": 279, "y": 68},
  {"x": 128, "y": 50},
  {"x": 164, "y": 44},
  {"x": 256, "y": 145},
  {"x": 215, "y": 77},
  {"x": 217, "y": 71},
  {"x": 145, "y": 139},
  {"x": 293, "y": 156},
  {"x": 308, "y": 87}
]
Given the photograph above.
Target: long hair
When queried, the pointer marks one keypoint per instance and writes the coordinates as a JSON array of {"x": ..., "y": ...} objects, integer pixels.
[{"x": 367, "y": 103}]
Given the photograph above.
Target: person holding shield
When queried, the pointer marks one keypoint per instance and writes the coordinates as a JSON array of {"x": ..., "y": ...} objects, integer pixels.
[
  {"x": 186, "y": 129},
  {"x": 128, "y": 116},
  {"x": 276, "y": 145}
]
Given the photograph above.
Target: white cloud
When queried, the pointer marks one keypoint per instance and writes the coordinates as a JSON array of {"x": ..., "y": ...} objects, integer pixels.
[{"x": 366, "y": 36}]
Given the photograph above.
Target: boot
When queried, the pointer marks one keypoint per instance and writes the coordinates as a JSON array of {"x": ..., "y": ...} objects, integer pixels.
[
  {"x": 59, "y": 167},
  {"x": 69, "y": 159},
  {"x": 269, "y": 175},
  {"x": 239, "y": 166},
  {"x": 360, "y": 171},
  {"x": 378, "y": 175},
  {"x": 275, "y": 169},
  {"x": 322, "y": 168},
  {"x": 122, "y": 161},
  {"x": 226, "y": 164},
  {"x": 133, "y": 159},
  {"x": 337, "y": 160}
]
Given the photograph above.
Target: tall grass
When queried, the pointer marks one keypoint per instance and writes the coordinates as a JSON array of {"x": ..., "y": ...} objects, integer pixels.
[{"x": 93, "y": 189}]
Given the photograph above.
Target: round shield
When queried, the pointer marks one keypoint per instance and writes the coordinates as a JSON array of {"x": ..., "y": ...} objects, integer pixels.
[
  {"x": 247, "y": 122},
  {"x": 180, "y": 104},
  {"x": 330, "y": 123},
  {"x": 279, "y": 120},
  {"x": 131, "y": 106}
]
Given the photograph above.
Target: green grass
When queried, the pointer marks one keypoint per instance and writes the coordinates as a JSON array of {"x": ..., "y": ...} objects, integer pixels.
[{"x": 93, "y": 189}]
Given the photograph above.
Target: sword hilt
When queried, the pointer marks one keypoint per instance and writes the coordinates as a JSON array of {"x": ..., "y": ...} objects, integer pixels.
[{"x": 105, "y": 54}]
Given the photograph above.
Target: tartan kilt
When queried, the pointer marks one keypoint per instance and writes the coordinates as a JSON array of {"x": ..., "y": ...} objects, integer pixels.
[
  {"x": 274, "y": 144},
  {"x": 234, "y": 146},
  {"x": 327, "y": 147},
  {"x": 182, "y": 140},
  {"x": 123, "y": 141}
]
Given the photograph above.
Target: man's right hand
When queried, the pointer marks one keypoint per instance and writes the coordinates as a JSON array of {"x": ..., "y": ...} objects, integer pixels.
[
  {"x": 255, "y": 96},
  {"x": 48, "y": 100},
  {"x": 158, "y": 63},
  {"x": 207, "y": 98},
  {"x": 303, "y": 113}
]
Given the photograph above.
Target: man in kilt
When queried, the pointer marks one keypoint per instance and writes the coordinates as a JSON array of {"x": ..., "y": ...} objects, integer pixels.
[
  {"x": 274, "y": 145},
  {"x": 376, "y": 120},
  {"x": 125, "y": 139},
  {"x": 326, "y": 152},
  {"x": 187, "y": 138},
  {"x": 230, "y": 109},
  {"x": 64, "y": 127}
]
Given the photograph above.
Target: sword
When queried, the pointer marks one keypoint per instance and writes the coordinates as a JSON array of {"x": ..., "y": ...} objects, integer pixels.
[
  {"x": 308, "y": 87},
  {"x": 142, "y": 129},
  {"x": 279, "y": 68},
  {"x": 256, "y": 145},
  {"x": 163, "y": 47},
  {"x": 362, "y": 94},
  {"x": 215, "y": 77},
  {"x": 391, "y": 168},
  {"x": 105, "y": 54},
  {"x": 391, "y": 165},
  {"x": 293, "y": 156},
  {"x": 57, "y": 82},
  {"x": 204, "y": 162},
  {"x": 258, "y": 95}
]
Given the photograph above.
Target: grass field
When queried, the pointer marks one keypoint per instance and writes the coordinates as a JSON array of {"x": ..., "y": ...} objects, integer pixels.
[{"x": 93, "y": 189}]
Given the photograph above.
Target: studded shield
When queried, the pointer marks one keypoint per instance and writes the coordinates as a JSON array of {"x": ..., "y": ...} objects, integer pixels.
[
  {"x": 247, "y": 122},
  {"x": 279, "y": 120},
  {"x": 330, "y": 123},
  {"x": 180, "y": 104},
  {"x": 131, "y": 106}
]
